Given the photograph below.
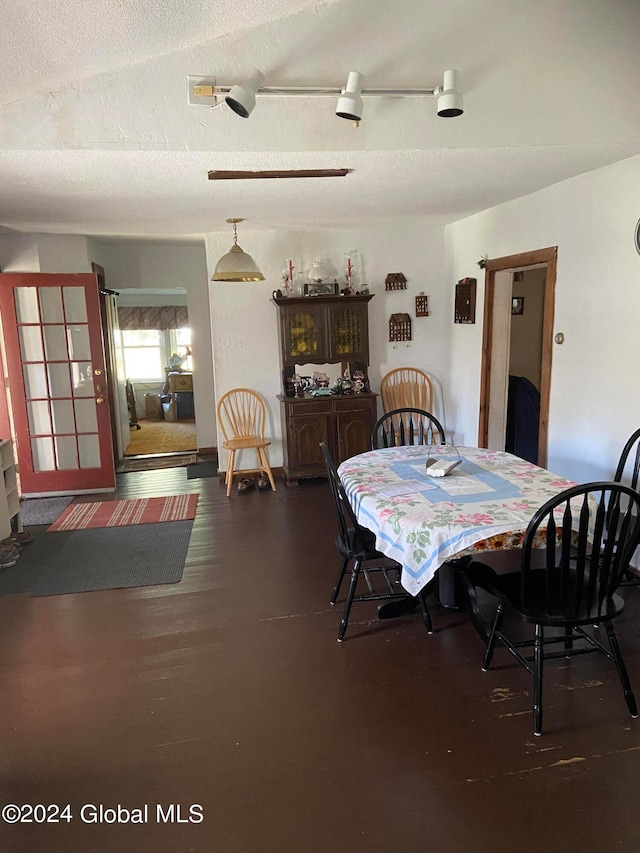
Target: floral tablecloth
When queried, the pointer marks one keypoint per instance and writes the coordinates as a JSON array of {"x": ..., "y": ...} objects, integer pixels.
[{"x": 484, "y": 504}]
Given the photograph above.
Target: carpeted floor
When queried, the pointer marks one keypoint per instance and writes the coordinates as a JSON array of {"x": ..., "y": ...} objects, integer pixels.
[{"x": 162, "y": 437}]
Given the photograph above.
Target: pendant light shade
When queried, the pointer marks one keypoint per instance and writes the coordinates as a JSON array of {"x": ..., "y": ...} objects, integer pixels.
[{"x": 236, "y": 265}]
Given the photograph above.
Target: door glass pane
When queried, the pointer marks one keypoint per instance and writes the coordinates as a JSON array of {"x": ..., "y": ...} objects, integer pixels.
[
  {"x": 42, "y": 454},
  {"x": 51, "y": 305},
  {"x": 79, "y": 347},
  {"x": 86, "y": 416},
  {"x": 26, "y": 299},
  {"x": 75, "y": 307},
  {"x": 82, "y": 379},
  {"x": 55, "y": 345},
  {"x": 31, "y": 343},
  {"x": 39, "y": 420},
  {"x": 66, "y": 452},
  {"x": 59, "y": 380},
  {"x": 89, "y": 451},
  {"x": 35, "y": 380},
  {"x": 62, "y": 414}
]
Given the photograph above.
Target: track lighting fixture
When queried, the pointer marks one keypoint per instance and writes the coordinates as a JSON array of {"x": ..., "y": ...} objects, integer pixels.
[
  {"x": 349, "y": 104},
  {"x": 450, "y": 97},
  {"x": 236, "y": 265},
  {"x": 242, "y": 97}
]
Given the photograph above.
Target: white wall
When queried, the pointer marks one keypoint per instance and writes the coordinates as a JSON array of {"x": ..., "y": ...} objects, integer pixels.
[
  {"x": 19, "y": 253},
  {"x": 244, "y": 323},
  {"x": 594, "y": 406}
]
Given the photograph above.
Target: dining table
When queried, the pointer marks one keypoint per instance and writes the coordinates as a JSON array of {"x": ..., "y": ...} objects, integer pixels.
[{"x": 435, "y": 525}]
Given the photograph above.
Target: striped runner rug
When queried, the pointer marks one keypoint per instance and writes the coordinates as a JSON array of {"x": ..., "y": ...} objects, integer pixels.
[{"x": 82, "y": 516}]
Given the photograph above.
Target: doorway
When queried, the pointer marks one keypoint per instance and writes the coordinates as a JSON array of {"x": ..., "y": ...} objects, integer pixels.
[
  {"x": 157, "y": 363},
  {"x": 500, "y": 301}
]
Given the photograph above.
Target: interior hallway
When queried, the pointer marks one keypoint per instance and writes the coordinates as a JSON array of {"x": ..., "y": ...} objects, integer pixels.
[{"x": 229, "y": 690}]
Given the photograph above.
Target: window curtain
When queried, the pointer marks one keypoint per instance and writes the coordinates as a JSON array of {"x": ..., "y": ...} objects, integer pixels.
[{"x": 154, "y": 317}]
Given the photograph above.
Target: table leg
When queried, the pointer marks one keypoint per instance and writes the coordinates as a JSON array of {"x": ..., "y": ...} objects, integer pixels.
[{"x": 398, "y": 607}]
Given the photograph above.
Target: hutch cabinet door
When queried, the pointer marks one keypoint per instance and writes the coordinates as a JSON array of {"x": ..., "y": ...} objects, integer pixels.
[
  {"x": 355, "y": 417},
  {"x": 348, "y": 331},
  {"x": 303, "y": 440},
  {"x": 303, "y": 331}
]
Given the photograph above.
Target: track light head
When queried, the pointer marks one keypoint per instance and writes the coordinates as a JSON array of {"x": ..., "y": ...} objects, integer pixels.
[
  {"x": 450, "y": 101},
  {"x": 242, "y": 99},
  {"x": 349, "y": 104}
]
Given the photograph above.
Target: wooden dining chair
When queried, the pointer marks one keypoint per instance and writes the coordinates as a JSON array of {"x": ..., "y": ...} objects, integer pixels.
[
  {"x": 628, "y": 471},
  {"x": 570, "y": 569},
  {"x": 241, "y": 417},
  {"x": 406, "y": 386},
  {"x": 357, "y": 547},
  {"x": 405, "y": 427}
]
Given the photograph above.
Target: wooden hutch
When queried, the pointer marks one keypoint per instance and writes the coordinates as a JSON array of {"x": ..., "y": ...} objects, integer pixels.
[{"x": 323, "y": 330}]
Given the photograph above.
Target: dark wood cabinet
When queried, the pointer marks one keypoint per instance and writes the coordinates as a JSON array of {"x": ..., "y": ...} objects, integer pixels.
[
  {"x": 324, "y": 330},
  {"x": 344, "y": 422}
]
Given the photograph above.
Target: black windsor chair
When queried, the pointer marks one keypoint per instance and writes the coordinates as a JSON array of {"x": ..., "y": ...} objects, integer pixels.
[
  {"x": 628, "y": 471},
  {"x": 356, "y": 545},
  {"x": 570, "y": 581},
  {"x": 406, "y": 426}
]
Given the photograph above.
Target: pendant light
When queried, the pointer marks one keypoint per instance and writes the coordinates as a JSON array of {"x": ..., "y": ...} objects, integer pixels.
[{"x": 236, "y": 265}]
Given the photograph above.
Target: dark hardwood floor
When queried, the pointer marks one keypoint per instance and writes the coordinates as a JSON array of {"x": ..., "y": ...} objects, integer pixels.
[{"x": 229, "y": 690}]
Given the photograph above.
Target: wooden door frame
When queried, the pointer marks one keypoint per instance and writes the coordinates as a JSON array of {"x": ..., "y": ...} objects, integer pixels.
[{"x": 537, "y": 257}]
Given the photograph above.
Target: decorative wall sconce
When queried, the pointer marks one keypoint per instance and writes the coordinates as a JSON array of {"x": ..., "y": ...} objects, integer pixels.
[
  {"x": 465, "y": 307},
  {"x": 399, "y": 327},
  {"x": 422, "y": 305},
  {"x": 395, "y": 281}
]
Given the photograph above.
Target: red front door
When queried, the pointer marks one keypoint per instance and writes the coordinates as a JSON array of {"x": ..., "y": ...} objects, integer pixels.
[{"x": 57, "y": 386}]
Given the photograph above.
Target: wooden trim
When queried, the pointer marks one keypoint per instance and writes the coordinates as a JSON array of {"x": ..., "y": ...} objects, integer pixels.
[
  {"x": 537, "y": 257},
  {"x": 220, "y": 175}
]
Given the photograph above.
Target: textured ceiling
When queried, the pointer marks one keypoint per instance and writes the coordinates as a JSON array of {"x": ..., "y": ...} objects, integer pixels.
[{"x": 96, "y": 136}]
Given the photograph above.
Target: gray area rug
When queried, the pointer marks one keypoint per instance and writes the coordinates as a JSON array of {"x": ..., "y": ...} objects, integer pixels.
[
  {"x": 104, "y": 558},
  {"x": 202, "y": 469},
  {"x": 42, "y": 510}
]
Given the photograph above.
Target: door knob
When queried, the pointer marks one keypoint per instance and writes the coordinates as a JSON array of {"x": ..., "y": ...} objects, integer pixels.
[{"x": 99, "y": 399}]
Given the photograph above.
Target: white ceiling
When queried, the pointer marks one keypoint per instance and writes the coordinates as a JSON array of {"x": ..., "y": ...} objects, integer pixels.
[{"x": 97, "y": 138}]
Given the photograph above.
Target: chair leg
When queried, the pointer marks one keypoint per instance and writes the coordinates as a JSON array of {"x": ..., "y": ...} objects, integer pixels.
[
  {"x": 491, "y": 642},
  {"x": 355, "y": 571},
  {"x": 568, "y": 639},
  {"x": 263, "y": 461},
  {"x": 232, "y": 455},
  {"x": 538, "y": 662},
  {"x": 338, "y": 584},
  {"x": 425, "y": 612},
  {"x": 622, "y": 670}
]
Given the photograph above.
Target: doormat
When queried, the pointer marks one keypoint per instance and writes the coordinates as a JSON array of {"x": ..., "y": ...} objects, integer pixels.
[
  {"x": 93, "y": 560},
  {"x": 42, "y": 510},
  {"x": 81, "y": 516},
  {"x": 202, "y": 469},
  {"x": 151, "y": 463}
]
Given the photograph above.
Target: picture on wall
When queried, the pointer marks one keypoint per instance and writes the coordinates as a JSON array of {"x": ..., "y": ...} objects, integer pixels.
[{"x": 517, "y": 305}]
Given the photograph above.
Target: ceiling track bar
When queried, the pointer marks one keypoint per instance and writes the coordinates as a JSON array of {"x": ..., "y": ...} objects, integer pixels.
[{"x": 324, "y": 91}]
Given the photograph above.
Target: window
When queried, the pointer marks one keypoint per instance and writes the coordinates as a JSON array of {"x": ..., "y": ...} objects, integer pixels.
[
  {"x": 143, "y": 354},
  {"x": 147, "y": 351}
]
